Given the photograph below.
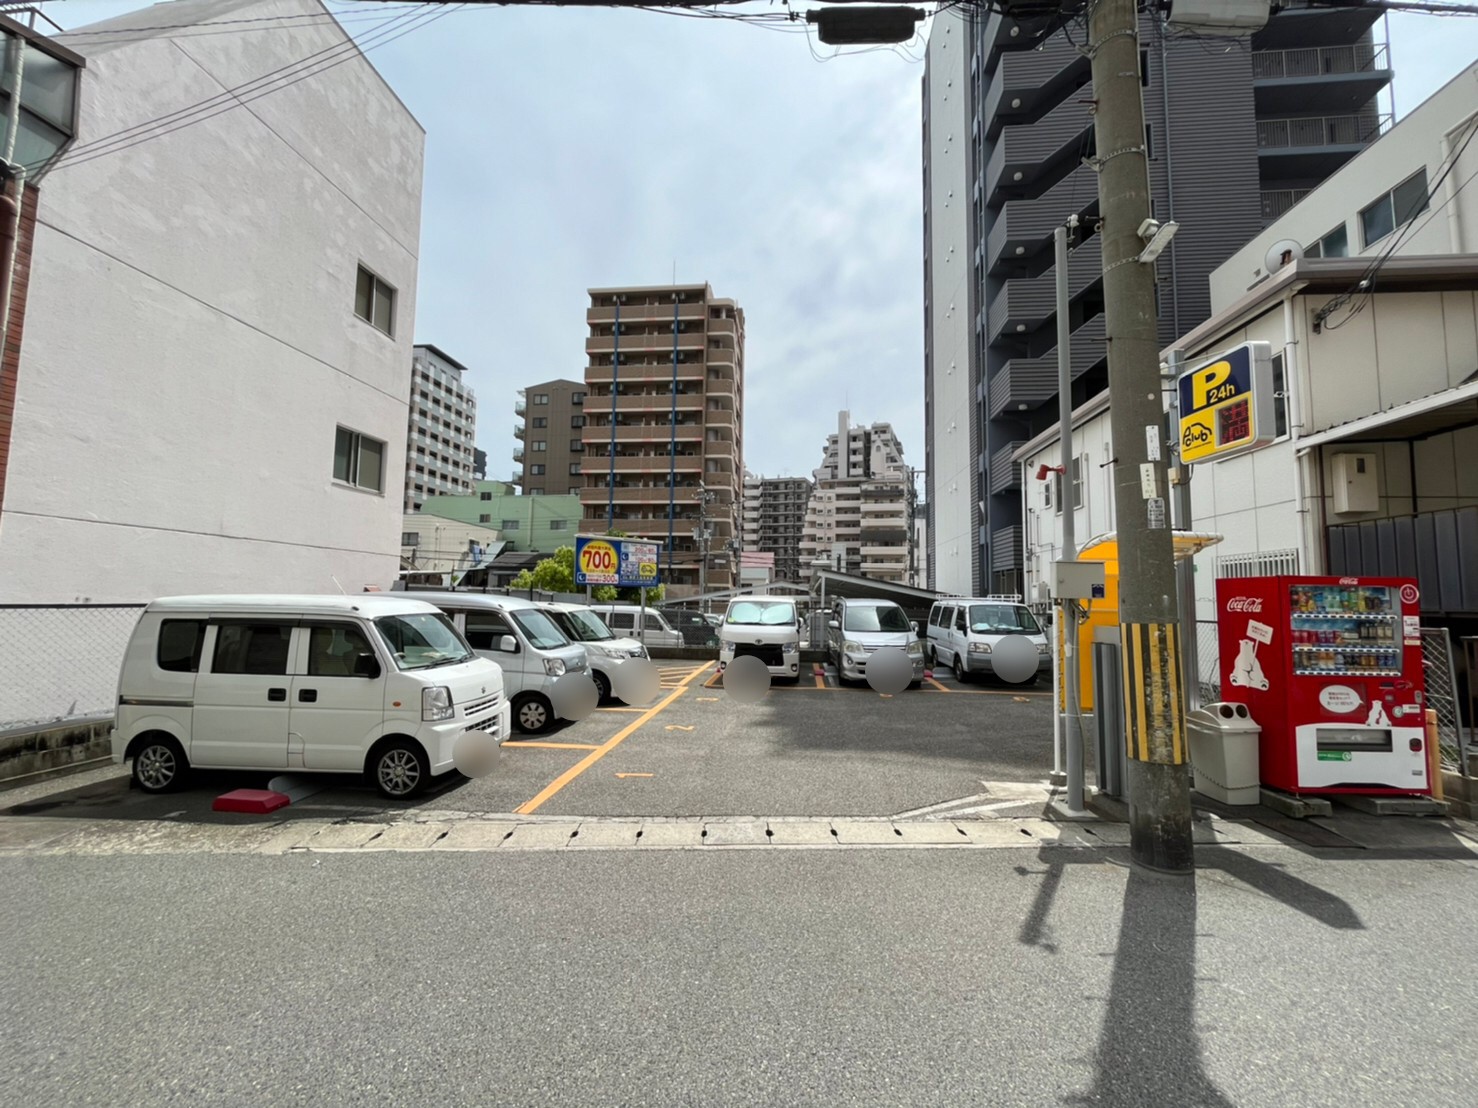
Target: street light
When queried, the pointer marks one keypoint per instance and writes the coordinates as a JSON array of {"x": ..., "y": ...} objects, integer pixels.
[{"x": 869, "y": 26}]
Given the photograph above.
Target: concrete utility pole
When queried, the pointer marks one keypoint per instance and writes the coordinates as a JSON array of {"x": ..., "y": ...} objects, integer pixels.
[
  {"x": 1158, "y": 784},
  {"x": 703, "y": 533},
  {"x": 1072, "y": 733}
]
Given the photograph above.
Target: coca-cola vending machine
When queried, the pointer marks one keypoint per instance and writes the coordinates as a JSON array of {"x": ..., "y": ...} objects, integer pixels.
[{"x": 1331, "y": 669}]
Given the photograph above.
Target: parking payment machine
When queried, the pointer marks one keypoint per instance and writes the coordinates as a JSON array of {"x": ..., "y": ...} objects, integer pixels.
[{"x": 1331, "y": 668}]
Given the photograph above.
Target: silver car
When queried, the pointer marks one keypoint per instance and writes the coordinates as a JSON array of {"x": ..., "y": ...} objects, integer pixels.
[{"x": 859, "y": 628}]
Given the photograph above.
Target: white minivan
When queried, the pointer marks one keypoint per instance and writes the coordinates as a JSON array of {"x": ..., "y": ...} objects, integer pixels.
[
  {"x": 604, "y": 649},
  {"x": 328, "y": 684},
  {"x": 623, "y": 619},
  {"x": 527, "y": 645},
  {"x": 962, "y": 631},
  {"x": 766, "y": 627}
]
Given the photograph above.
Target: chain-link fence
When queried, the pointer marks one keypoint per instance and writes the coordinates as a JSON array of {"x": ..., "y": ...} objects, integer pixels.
[
  {"x": 1440, "y": 678},
  {"x": 61, "y": 661},
  {"x": 1208, "y": 661}
]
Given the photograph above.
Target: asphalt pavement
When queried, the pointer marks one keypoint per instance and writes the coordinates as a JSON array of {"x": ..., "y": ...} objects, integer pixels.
[{"x": 1013, "y": 977}]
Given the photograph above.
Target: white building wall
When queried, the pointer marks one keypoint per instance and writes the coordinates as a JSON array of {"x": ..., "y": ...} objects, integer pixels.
[
  {"x": 951, "y": 461},
  {"x": 1434, "y": 130},
  {"x": 191, "y": 345},
  {"x": 1044, "y": 509}
]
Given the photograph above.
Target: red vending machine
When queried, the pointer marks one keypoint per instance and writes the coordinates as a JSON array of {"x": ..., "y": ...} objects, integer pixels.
[{"x": 1331, "y": 669}]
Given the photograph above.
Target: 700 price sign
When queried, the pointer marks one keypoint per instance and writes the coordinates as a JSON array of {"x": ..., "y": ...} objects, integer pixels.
[{"x": 624, "y": 562}]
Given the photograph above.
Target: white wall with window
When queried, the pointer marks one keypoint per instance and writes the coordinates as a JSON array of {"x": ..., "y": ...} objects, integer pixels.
[
  {"x": 213, "y": 385},
  {"x": 1378, "y": 201}
]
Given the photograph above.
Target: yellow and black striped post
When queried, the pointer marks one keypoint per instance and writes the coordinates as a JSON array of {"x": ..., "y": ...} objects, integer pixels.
[{"x": 1158, "y": 785}]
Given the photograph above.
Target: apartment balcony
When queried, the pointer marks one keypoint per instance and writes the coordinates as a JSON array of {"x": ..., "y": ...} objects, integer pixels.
[
  {"x": 655, "y": 403},
  {"x": 1314, "y": 146},
  {"x": 1025, "y": 304},
  {"x": 1025, "y": 383},
  {"x": 1277, "y": 201},
  {"x": 1005, "y": 548},
  {"x": 520, "y": 406},
  {"x": 646, "y": 463},
  {"x": 519, "y": 430},
  {"x": 723, "y": 327},
  {"x": 1003, "y": 475},
  {"x": 644, "y": 343},
  {"x": 652, "y": 433},
  {"x": 1327, "y": 79},
  {"x": 1022, "y": 159},
  {"x": 1026, "y": 82},
  {"x": 649, "y": 313},
  {"x": 630, "y": 373},
  {"x": 1023, "y": 228},
  {"x": 518, "y": 453}
]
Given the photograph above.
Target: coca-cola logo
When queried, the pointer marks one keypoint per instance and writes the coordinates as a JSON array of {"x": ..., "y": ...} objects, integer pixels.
[{"x": 1244, "y": 604}]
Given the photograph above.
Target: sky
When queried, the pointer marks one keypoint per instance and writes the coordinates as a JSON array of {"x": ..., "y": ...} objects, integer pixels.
[{"x": 570, "y": 148}]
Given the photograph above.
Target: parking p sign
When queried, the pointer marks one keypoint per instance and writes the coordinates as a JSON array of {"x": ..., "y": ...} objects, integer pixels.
[
  {"x": 1227, "y": 404},
  {"x": 625, "y": 563}
]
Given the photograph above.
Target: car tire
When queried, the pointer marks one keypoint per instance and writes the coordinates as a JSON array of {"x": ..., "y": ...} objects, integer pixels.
[
  {"x": 602, "y": 686},
  {"x": 532, "y": 714},
  {"x": 960, "y": 673},
  {"x": 399, "y": 769},
  {"x": 160, "y": 765}
]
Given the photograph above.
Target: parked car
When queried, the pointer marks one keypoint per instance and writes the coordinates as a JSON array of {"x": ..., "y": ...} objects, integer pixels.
[
  {"x": 767, "y": 628},
  {"x": 525, "y": 642},
  {"x": 604, "y": 650},
  {"x": 316, "y": 684},
  {"x": 859, "y": 628},
  {"x": 622, "y": 619},
  {"x": 963, "y": 631},
  {"x": 697, "y": 628}
]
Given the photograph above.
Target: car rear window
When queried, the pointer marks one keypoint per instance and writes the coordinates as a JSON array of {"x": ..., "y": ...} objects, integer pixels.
[{"x": 180, "y": 641}]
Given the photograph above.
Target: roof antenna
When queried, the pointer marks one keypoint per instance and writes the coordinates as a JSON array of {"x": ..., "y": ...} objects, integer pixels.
[{"x": 338, "y": 586}]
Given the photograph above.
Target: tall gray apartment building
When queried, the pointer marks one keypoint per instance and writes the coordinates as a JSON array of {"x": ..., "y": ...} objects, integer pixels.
[
  {"x": 1236, "y": 131},
  {"x": 774, "y": 520},
  {"x": 441, "y": 429},
  {"x": 550, "y": 429}
]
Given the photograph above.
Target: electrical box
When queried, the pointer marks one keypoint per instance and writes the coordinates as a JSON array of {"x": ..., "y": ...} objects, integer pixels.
[
  {"x": 1078, "y": 581},
  {"x": 1220, "y": 17},
  {"x": 1356, "y": 485}
]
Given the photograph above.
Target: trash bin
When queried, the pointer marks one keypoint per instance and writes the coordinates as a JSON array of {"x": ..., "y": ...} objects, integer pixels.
[{"x": 1223, "y": 740}]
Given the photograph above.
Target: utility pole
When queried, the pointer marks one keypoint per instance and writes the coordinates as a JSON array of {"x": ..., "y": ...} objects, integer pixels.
[
  {"x": 703, "y": 533},
  {"x": 1158, "y": 784},
  {"x": 1072, "y": 732}
]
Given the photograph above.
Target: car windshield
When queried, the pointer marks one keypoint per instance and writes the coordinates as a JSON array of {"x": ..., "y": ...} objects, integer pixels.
[
  {"x": 539, "y": 629},
  {"x": 876, "y": 617},
  {"x": 1002, "y": 619},
  {"x": 757, "y": 612},
  {"x": 583, "y": 626},
  {"x": 423, "y": 640}
]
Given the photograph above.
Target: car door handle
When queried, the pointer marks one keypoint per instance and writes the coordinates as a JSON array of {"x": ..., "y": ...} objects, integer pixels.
[
  {"x": 276, "y": 694},
  {"x": 307, "y": 696}
]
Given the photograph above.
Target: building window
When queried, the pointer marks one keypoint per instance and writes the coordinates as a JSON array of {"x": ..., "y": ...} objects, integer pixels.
[
  {"x": 1401, "y": 204},
  {"x": 538, "y": 444},
  {"x": 577, "y": 398},
  {"x": 541, "y": 398},
  {"x": 374, "y": 302},
  {"x": 1280, "y": 398},
  {"x": 558, "y": 524},
  {"x": 577, "y": 421},
  {"x": 484, "y": 518},
  {"x": 1336, "y": 244},
  {"x": 510, "y": 525},
  {"x": 485, "y": 496},
  {"x": 410, "y": 538},
  {"x": 359, "y": 460},
  {"x": 536, "y": 470},
  {"x": 574, "y": 469},
  {"x": 577, "y": 446},
  {"x": 1078, "y": 467},
  {"x": 541, "y": 421}
]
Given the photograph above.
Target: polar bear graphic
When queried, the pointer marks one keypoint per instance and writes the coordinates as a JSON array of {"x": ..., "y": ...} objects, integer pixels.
[
  {"x": 1377, "y": 717},
  {"x": 1246, "y": 670}
]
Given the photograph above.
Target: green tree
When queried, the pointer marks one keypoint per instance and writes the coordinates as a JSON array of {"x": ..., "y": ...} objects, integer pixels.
[{"x": 556, "y": 573}]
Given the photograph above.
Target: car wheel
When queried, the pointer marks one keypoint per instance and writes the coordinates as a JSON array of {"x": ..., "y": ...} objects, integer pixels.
[
  {"x": 959, "y": 671},
  {"x": 602, "y": 685},
  {"x": 532, "y": 714},
  {"x": 160, "y": 766},
  {"x": 400, "y": 769}
]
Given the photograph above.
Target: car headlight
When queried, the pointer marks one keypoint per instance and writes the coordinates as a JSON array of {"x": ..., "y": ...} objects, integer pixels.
[
  {"x": 850, "y": 647},
  {"x": 1041, "y": 648},
  {"x": 916, "y": 649},
  {"x": 554, "y": 666},
  {"x": 436, "y": 703},
  {"x": 980, "y": 648},
  {"x": 789, "y": 647},
  {"x": 639, "y": 652}
]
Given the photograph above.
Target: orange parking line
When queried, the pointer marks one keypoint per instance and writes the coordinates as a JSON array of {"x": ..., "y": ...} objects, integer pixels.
[
  {"x": 937, "y": 685},
  {"x": 601, "y": 751},
  {"x": 553, "y": 746},
  {"x": 820, "y": 677}
]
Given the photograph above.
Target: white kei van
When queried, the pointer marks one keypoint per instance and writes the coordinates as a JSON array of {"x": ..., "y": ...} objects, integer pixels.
[
  {"x": 766, "y": 627},
  {"x": 656, "y": 633},
  {"x": 334, "y": 684},
  {"x": 528, "y": 646},
  {"x": 963, "y": 630},
  {"x": 603, "y": 649}
]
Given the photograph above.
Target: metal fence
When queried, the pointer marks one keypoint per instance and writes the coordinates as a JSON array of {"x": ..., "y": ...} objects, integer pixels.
[
  {"x": 1208, "y": 661},
  {"x": 1439, "y": 675},
  {"x": 62, "y": 660}
]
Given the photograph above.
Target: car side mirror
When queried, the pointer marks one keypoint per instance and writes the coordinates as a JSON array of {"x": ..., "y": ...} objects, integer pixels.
[
  {"x": 834, "y": 625},
  {"x": 915, "y": 627},
  {"x": 366, "y": 665},
  {"x": 508, "y": 644}
]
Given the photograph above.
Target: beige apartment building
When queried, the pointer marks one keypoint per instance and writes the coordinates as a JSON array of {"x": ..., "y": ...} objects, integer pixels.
[
  {"x": 859, "y": 519},
  {"x": 550, "y": 432},
  {"x": 664, "y": 426},
  {"x": 775, "y": 519}
]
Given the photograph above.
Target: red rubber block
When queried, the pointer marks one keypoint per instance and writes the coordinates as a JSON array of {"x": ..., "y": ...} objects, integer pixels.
[{"x": 256, "y": 802}]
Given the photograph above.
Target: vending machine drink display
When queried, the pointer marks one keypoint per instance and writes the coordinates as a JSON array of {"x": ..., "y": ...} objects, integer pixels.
[{"x": 1331, "y": 669}]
